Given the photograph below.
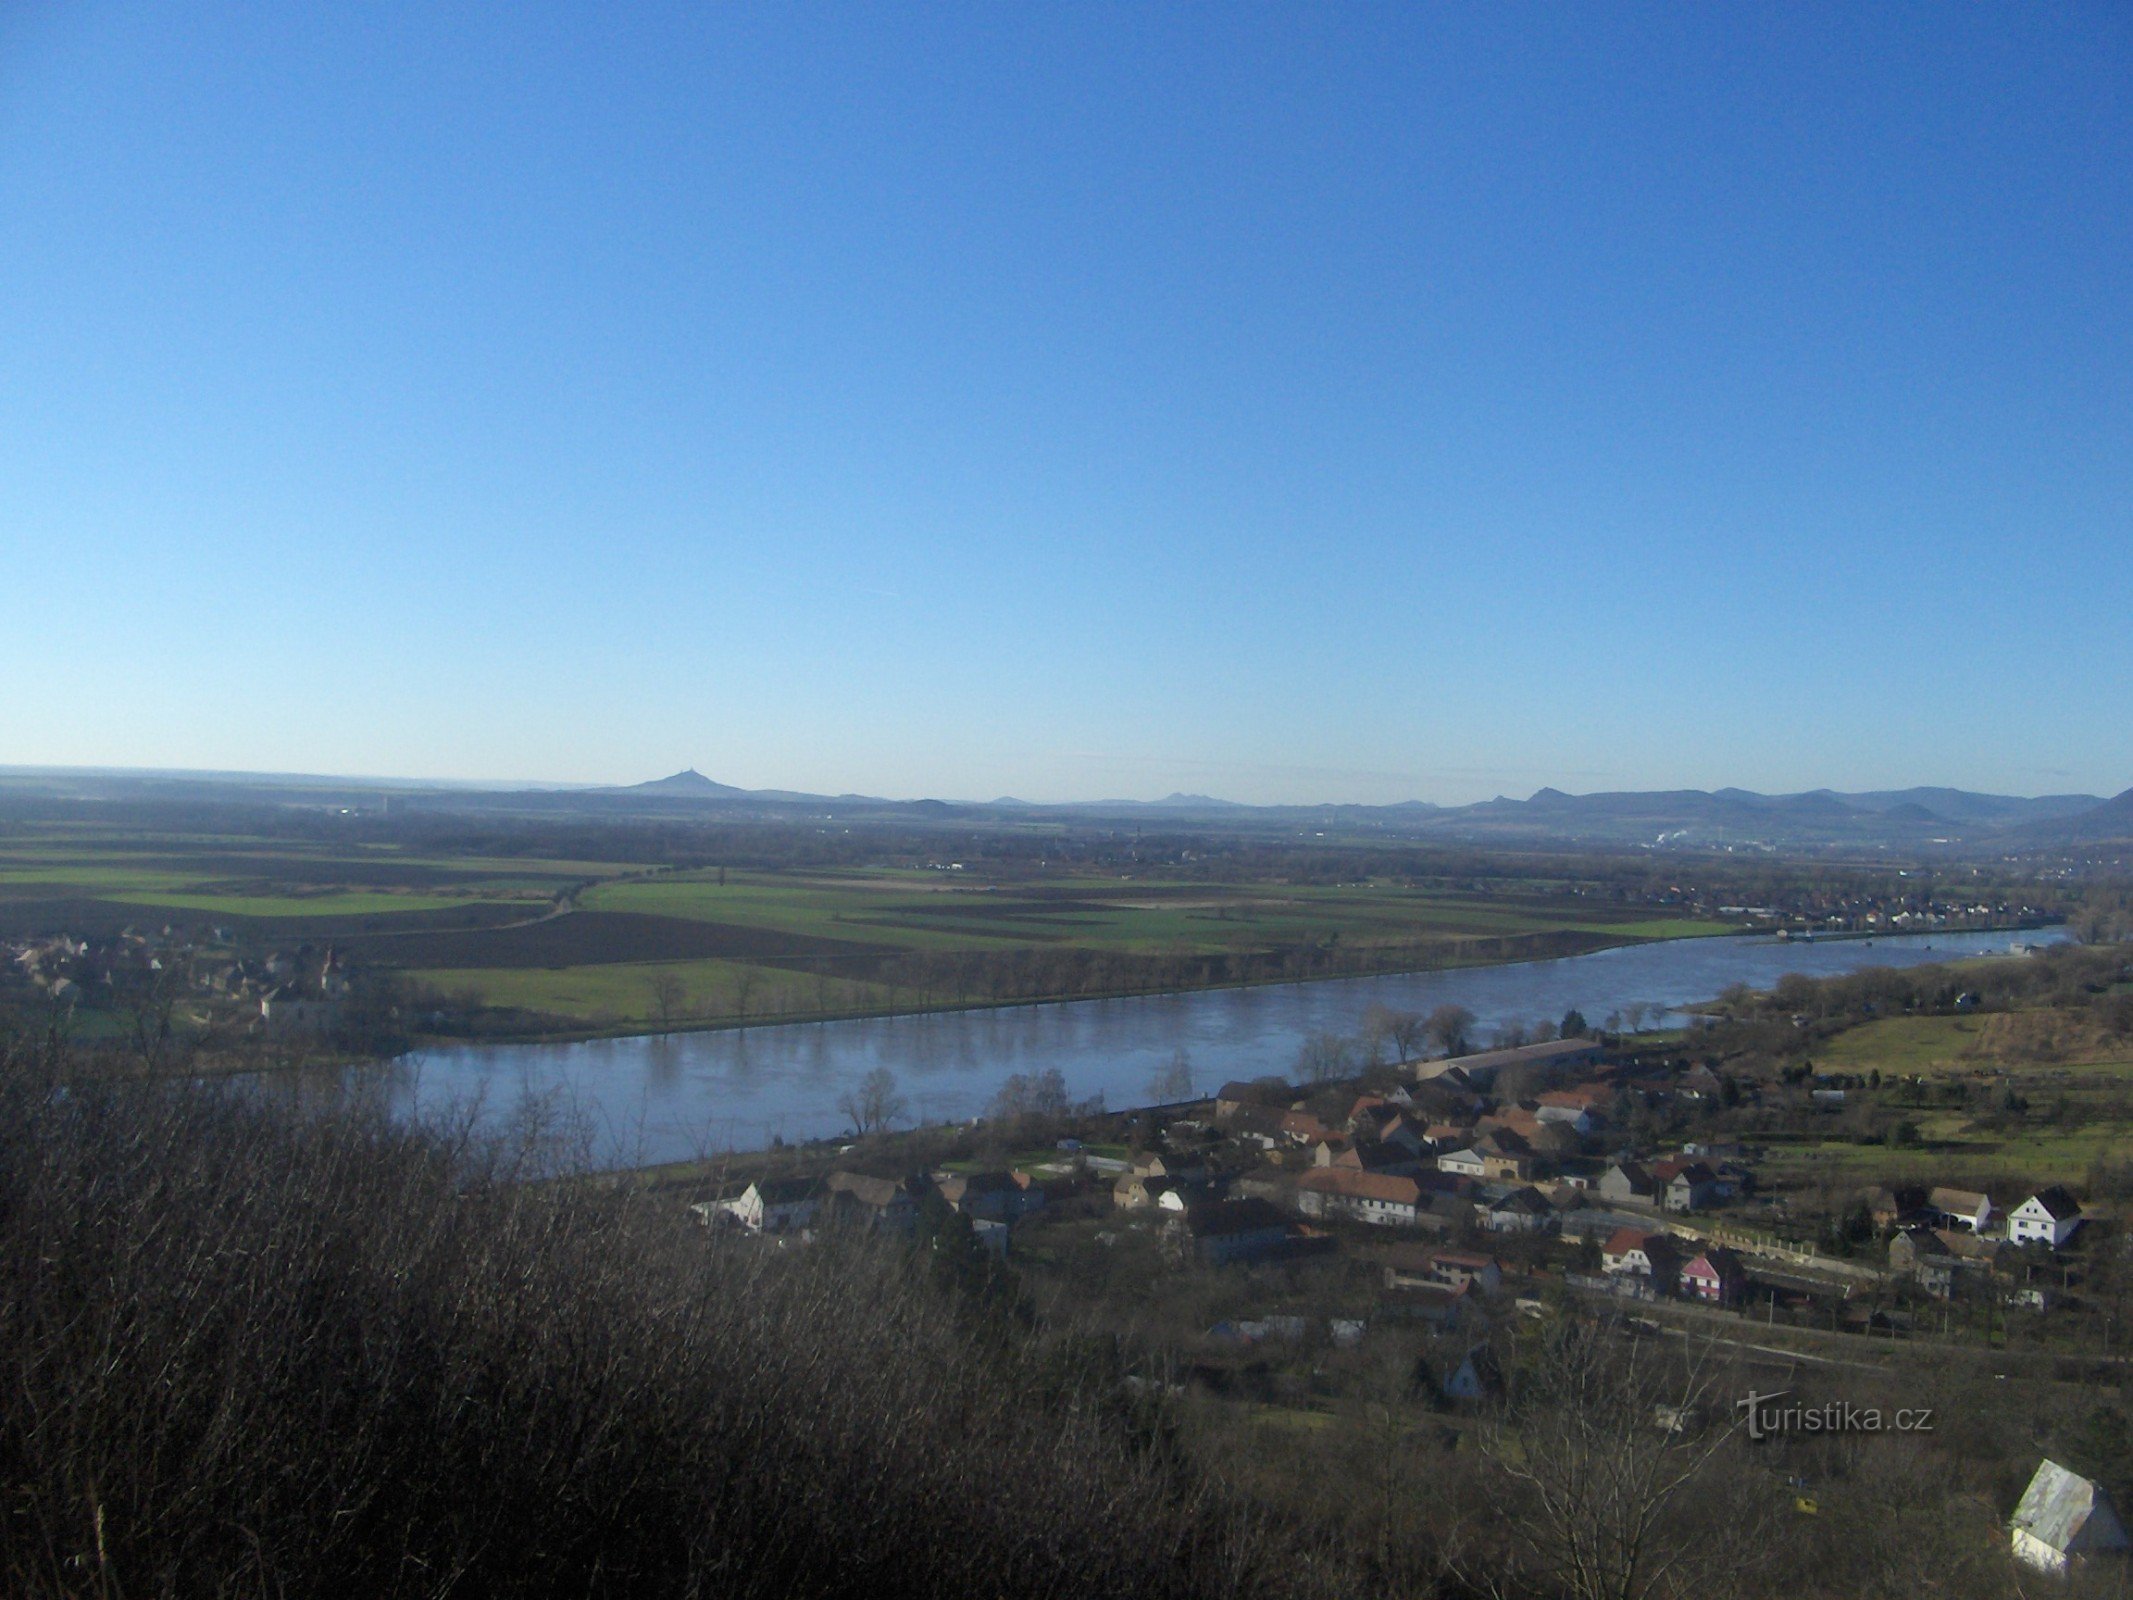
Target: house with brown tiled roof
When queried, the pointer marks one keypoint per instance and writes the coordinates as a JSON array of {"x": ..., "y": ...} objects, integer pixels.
[
  {"x": 1373, "y": 1197},
  {"x": 1306, "y": 1127},
  {"x": 1375, "y": 1157}
]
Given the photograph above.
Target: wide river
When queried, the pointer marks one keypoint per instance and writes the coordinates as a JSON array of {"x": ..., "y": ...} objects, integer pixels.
[{"x": 645, "y": 1100}]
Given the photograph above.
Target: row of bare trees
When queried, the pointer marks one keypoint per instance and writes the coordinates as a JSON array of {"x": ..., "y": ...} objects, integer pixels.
[{"x": 257, "y": 1348}]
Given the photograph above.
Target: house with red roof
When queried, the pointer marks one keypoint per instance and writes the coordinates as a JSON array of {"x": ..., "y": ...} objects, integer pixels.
[{"x": 1716, "y": 1277}]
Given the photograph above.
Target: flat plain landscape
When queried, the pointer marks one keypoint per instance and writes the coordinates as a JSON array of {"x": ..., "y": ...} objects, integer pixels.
[{"x": 548, "y": 943}]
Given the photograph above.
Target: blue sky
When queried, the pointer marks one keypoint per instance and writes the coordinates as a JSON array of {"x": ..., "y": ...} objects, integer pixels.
[{"x": 1282, "y": 402}]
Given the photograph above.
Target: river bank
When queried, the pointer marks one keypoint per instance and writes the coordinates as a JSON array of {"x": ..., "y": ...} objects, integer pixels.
[
  {"x": 643, "y": 1100},
  {"x": 1490, "y": 951}
]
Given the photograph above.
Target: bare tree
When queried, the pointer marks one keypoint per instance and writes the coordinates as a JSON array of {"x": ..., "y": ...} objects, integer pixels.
[
  {"x": 1172, "y": 1081},
  {"x": 669, "y": 994},
  {"x": 1324, "y": 1056},
  {"x": 1449, "y": 1028},
  {"x": 1407, "y": 1032},
  {"x": 872, "y": 1103},
  {"x": 1029, "y": 1095},
  {"x": 1602, "y": 1462}
]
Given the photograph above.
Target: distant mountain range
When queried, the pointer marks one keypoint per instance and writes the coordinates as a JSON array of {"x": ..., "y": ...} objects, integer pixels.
[{"x": 1921, "y": 819}]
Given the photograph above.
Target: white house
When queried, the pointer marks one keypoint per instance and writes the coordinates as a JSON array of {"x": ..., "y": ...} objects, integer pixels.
[
  {"x": 2063, "y": 1518},
  {"x": 1463, "y": 1163},
  {"x": 2048, "y": 1217},
  {"x": 1642, "y": 1254},
  {"x": 776, "y": 1205},
  {"x": 1961, "y": 1208}
]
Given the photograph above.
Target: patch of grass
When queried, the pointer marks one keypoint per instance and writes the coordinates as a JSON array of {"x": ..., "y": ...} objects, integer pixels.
[
  {"x": 1924, "y": 1045},
  {"x": 1940, "y": 1046},
  {"x": 617, "y": 993}
]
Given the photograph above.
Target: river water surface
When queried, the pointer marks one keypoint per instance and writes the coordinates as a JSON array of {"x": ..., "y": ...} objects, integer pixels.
[{"x": 662, "y": 1099}]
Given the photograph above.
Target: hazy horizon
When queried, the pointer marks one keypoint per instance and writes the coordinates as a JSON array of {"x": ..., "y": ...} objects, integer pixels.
[{"x": 540, "y": 783}]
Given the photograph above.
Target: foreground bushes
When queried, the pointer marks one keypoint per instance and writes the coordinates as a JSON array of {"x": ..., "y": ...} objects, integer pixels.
[{"x": 251, "y": 1351}]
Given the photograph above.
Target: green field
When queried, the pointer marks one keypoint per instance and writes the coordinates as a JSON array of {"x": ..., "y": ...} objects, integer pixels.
[
  {"x": 567, "y": 944},
  {"x": 2077, "y": 1094},
  {"x": 927, "y": 911},
  {"x": 1941, "y": 1046}
]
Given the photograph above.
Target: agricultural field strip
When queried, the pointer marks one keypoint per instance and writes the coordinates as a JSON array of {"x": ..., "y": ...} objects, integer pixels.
[
  {"x": 622, "y": 992},
  {"x": 963, "y": 917},
  {"x": 1960, "y": 1044},
  {"x": 2094, "y": 1088}
]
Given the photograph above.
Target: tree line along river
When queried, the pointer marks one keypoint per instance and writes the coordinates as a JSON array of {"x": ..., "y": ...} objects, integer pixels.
[{"x": 646, "y": 1100}]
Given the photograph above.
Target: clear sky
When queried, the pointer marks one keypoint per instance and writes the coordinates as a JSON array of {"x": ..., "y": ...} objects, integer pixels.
[{"x": 1283, "y": 402}]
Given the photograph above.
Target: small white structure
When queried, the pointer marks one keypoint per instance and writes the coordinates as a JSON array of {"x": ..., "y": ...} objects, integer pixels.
[
  {"x": 776, "y": 1205},
  {"x": 1961, "y": 1208},
  {"x": 2063, "y": 1519},
  {"x": 2048, "y": 1217}
]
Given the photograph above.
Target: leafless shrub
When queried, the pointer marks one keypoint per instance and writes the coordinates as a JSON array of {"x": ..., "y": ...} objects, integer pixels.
[{"x": 254, "y": 1348}]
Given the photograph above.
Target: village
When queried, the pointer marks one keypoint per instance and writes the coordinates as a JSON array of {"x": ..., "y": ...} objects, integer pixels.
[
  {"x": 218, "y": 989},
  {"x": 1502, "y": 1171},
  {"x": 1278, "y": 1240}
]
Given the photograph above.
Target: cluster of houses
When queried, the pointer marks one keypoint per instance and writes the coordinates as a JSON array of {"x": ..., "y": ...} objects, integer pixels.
[
  {"x": 797, "y": 1206},
  {"x": 1499, "y": 1139},
  {"x": 1653, "y": 1263},
  {"x": 299, "y": 990},
  {"x": 1946, "y": 1239}
]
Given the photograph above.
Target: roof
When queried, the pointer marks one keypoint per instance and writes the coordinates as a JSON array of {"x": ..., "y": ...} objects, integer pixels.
[
  {"x": 1714, "y": 1262},
  {"x": 1380, "y": 1186},
  {"x": 1221, "y": 1218},
  {"x": 1587, "y": 1097},
  {"x": 978, "y": 1183},
  {"x": 1551, "y": 1050},
  {"x": 1373, "y": 1157},
  {"x": 784, "y": 1191},
  {"x": 1472, "y": 1260},
  {"x": 865, "y": 1189},
  {"x": 1970, "y": 1246},
  {"x": 1625, "y": 1240},
  {"x": 1964, "y": 1202},
  {"x": 2058, "y": 1505}
]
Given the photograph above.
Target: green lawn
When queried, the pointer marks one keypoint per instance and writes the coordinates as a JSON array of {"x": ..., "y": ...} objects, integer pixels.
[
  {"x": 238, "y": 877},
  {"x": 1930, "y": 1046},
  {"x": 622, "y": 994}
]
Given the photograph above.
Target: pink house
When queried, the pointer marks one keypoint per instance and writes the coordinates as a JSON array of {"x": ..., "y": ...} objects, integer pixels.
[{"x": 1716, "y": 1277}]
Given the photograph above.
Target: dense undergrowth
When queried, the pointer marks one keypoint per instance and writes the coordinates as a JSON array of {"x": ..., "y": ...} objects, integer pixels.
[{"x": 251, "y": 1350}]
